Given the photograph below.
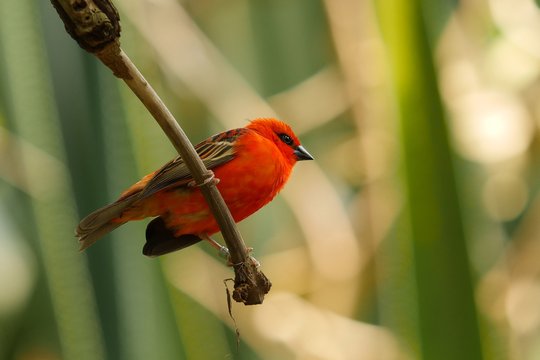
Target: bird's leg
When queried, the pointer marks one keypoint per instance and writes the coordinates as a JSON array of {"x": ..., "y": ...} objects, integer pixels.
[{"x": 224, "y": 252}]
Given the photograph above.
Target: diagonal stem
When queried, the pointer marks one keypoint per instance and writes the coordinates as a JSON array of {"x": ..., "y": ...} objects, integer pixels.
[{"x": 95, "y": 26}]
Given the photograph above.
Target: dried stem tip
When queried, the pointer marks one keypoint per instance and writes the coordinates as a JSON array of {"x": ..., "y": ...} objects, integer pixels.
[
  {"x": 250, "y": 284},
  {"x": 92, "y": 23}
]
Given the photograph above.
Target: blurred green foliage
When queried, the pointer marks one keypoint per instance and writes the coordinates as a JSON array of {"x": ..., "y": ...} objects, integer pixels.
[
  {"x": 390, "y": 246},
  {"x": 440, "y": 247}
]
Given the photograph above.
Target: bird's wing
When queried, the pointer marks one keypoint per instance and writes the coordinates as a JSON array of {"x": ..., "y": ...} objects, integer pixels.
[{"x": 215, "y": 151}]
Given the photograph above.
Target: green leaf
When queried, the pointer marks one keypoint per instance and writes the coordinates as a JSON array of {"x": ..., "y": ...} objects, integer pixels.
[{"x": 448, "y": 324}]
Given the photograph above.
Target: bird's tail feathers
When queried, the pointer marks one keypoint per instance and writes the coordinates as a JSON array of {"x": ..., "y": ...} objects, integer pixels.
[
  {"x": 100, "y": 222},
  {"x": 161, "y": 240}
]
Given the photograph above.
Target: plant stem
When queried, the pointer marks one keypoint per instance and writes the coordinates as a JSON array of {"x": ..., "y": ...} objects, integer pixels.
[{"x": 88, "y": 20}]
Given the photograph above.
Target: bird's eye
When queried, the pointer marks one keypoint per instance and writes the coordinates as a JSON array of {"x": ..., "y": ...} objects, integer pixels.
[{"x": 286, "y": 139}]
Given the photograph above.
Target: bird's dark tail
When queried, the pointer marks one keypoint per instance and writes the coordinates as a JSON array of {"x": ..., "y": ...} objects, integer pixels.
[
  {"x": 160, "y": 240},
  {"x": 100, "y": 222}
]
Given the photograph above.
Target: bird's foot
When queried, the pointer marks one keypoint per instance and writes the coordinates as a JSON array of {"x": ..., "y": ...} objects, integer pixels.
[
  {"x": 210, "y": 178},
  {"x": 224, "y": 252},
  {"x": 254, "y": 261},
  {"x": 250, "y": 258}
]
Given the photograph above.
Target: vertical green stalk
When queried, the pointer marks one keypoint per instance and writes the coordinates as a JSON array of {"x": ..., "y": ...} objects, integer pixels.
[
  {"x": 34, "y": 119},
  {"x": 446, "y": 308}
]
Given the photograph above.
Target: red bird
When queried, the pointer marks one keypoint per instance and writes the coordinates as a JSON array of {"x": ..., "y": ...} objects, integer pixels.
[{"x": 252, "y": 164}]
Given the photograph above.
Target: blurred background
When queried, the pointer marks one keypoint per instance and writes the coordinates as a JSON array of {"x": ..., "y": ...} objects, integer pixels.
[{"x": 414, "y": 234}]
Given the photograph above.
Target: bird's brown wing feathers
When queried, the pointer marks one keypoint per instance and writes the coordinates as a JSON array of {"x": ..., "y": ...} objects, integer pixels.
[{"x": 176, "y": 173}]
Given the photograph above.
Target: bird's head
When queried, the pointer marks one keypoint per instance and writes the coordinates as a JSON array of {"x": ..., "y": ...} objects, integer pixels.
[{"x": 283, "y": 136}]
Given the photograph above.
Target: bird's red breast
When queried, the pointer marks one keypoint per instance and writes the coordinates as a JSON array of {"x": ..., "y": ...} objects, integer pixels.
[{"x": 253, "y": 165}]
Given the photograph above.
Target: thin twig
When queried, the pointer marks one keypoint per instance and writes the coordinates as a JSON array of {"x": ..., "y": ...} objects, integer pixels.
[{"x": 94, "y": 24}]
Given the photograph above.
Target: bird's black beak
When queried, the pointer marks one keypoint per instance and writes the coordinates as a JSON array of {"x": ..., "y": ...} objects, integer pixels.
[{"x": 302, "y": 154}]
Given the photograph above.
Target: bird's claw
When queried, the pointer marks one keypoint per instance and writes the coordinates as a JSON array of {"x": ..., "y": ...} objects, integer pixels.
[
  {"x": 254, "y": 261},
  {"x": 210, "y": 179},
  {"x": 225, "y": 253}
]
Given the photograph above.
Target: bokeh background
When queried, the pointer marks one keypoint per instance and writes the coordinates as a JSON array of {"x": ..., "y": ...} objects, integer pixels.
[{"x": 414, "y": 234}]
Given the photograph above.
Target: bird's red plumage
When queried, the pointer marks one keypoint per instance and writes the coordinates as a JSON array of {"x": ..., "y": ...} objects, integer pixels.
[{"x": 253, "y": 165}]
